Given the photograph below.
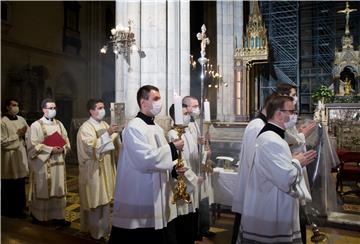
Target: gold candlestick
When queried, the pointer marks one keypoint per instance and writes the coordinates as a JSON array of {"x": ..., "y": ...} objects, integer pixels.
[{"x": 180, "y": 188}]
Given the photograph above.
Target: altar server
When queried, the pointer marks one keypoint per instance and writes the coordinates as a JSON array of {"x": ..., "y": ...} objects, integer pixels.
[
  {"x": 47, "y": 193},
  {"x": 185, "y": 220},
  {"x": 271, "y": 204},
  {"x": 296, "y": 138},
  {"x": 206, "y": 189},
  {"x": 143, "y": 193},
  {"x": 97, "y": 145},
  {"x": 14, "y": 163},
  {"x": 245, "y": 162}
]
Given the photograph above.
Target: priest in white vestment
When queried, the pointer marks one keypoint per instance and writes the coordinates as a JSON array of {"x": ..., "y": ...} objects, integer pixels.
[
  {"x": 245, "y": 163},
  {"x": 271, "y": 205},
  {"x": 143, "y": 193},
  {"x": 47, "y": 193},
  {"x": 206, "y": 189},
  {"x": 14, "y": 163},
  {"x": 97, "y": 143},
  {"x": 296, "y": 138},
  {"x": 185, "y": 221}
]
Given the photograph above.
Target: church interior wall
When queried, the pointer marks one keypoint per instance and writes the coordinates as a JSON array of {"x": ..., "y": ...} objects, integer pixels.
[{"x": 32, "y": 38}]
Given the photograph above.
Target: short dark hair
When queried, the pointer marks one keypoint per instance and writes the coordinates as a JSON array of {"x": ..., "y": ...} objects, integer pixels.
[
  {"x": 172, "y": 110},
  {"x": 143, "y": 93},
  {"x": 8, "y": 103},
  {"x": 45, "y": 101},
  {"x": 268, "y": 99},
  {"x": 91, "y": 103},
  {"x": 275, "y": 104},
  {"x": 284, "y": 88}
]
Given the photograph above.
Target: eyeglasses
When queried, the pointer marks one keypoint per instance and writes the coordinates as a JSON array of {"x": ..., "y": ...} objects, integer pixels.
[
  {"x": 52, "y": 108},
  {"x": 290, "y": 111}
]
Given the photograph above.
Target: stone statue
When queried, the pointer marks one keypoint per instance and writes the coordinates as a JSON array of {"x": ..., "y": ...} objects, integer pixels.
[{"x": 347, "y": 87}]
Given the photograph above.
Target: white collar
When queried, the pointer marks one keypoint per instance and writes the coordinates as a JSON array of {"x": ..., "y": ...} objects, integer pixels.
[
  {"x": 47, "y": 121},
  {"x": 94, "y": 121}
]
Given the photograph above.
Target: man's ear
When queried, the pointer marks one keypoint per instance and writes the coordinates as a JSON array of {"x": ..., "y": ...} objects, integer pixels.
[{"x": 142, "y": 101}]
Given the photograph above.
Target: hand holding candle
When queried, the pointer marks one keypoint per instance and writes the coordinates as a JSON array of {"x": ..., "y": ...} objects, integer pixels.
[
  {"x": 179, "y": 120},
  {"x": 207, "y": 111}
]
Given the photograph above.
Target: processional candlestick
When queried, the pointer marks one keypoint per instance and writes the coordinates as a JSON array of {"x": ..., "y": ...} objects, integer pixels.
[{"x": 201, "y": 36}]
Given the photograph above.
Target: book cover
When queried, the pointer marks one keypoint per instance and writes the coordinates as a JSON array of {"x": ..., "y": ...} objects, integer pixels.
[{"x": 54, "y": 140}]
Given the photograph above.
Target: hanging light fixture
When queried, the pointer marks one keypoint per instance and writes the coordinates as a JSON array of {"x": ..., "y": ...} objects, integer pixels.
[{"x": 122, "y": 41}]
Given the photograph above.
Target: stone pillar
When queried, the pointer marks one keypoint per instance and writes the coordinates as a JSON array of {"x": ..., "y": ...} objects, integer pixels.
[
  {"x": 165, "y": 40},
  {"x": 229, "y": 37},
  {"x": 95, "y": 39}
]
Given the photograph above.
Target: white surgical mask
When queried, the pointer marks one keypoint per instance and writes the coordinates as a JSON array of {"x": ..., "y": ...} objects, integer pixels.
[
  {"x": 51, "y": 113},
  {"x": 292, "y": 121},
  {"x": 195, "y": 112},
  {"x": 186, "y": 119},
  {"x": 101, "y": 114},
  {"x": 14, "y": 110},
  {"x": 295, "y": 99},
  {"x": 156, "y": 108}
]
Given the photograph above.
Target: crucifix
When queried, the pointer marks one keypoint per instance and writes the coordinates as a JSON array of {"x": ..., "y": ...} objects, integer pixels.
[
  {"x": 201, "y": 36},
  {"x": 347, "y": 11}
]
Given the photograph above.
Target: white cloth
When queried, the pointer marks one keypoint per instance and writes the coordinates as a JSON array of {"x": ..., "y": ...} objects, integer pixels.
[
  {"x": 224, "y": 183},
  {"x": 14, "y": 163},
  {"x": 96, "y": 221},
  {"x": 96, "y": 156},
  {"x": 246, "y": 160},
  {"x": 271, "y": 212},
  {"x": 297, "y": 143},
  {"x": 190, "y": 177},
  {"x": 47, "y": 194},
  {"x": 206, "y": 189},
  {"x": 143, "y": 193},
  {"x": 295, "y": 140}
]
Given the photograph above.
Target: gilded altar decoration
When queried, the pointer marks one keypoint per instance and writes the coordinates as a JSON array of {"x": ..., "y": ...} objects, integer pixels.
[
  {"x": 346, "y": 71},
  {"x": 254, "y": 51}
]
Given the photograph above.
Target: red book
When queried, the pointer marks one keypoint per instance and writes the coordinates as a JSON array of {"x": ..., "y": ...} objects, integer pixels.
[{"x": 54, "y": 140}]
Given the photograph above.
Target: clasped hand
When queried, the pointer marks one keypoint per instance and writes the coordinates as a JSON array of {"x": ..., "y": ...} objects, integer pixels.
[{"x": 57, "y": 150}]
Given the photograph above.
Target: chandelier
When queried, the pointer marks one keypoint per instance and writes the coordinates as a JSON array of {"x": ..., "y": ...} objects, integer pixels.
[
  {"x": 122, "y": 41},
  {"x": 215, "y": 79}
]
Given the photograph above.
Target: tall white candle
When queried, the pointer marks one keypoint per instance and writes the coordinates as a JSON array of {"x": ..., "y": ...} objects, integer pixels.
[
  {"x": 178, "y": 110},
  {"x": 207, "y": 111}
]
